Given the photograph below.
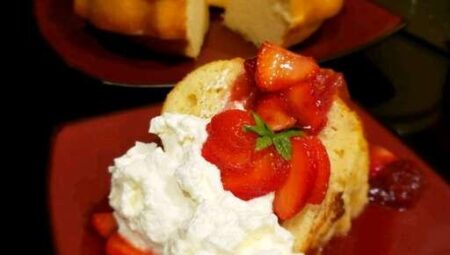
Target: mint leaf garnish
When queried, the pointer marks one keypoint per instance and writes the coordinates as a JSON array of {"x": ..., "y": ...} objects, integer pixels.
[
  {"x": 283, "y": 146},
  {"x": 290, "y": 133},
  {"x": 263, "y": 142},
  {"x": 261, "y": 128},
  {"x": 267, "y": 137}
]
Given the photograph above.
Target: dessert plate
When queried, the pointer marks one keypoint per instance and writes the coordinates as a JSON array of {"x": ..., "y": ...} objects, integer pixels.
[
  {"x": 110, "y": 59},
  {"x": 79, "y": 185}
]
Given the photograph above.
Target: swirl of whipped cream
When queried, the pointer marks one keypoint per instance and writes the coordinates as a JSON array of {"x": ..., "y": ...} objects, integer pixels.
[{"x": 171, "y": 200}]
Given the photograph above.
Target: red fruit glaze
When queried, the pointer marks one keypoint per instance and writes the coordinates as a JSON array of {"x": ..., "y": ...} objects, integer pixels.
[
  {"x": 268, "y": 172},
  {"x": 275, "y": 112},
  {"x": 244, "y": 89},
  {"x": 250, "y": 67},
  {"x": 278, "y": 69},
  {"x": 399, "y": 185}
]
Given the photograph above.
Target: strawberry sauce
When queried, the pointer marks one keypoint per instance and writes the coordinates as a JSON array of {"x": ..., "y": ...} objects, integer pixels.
[
  {"x": 244, "y": 88},
  {"x": 398, "y": 185}
]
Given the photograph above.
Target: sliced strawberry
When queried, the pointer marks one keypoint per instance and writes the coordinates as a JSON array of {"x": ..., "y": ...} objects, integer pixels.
[
  {"x": 227, "y": 159},
  {"x": 310, "y": 100},
  {"x": 268, "y": 173},
  {"x": 379, "y": 158},
  {"x": 274, "y": 111},
  {"x": 227, "y": 127},
  {"x": 116, "y": 245},
  {"x": 277, "y": 68},
  {"x": 228, "y": 146},
  {"x": 104, "y": 223},
  {"x": 294, "y": 193},
  {"x": 322, "y": 169}
]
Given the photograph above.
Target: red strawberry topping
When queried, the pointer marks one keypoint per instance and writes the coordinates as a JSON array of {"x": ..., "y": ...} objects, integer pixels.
[
  {"x": 307, "y": 180},
  {"x": 275, "y": 112},
  {"x": 277, "y": 68}
]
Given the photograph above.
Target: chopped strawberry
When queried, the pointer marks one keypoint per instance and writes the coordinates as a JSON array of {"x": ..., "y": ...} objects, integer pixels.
[
  {"x": 268, "y": 173},
  {"x": 379, "y": 158},
  {"x": 294, "y": 193},
  {"x": 116, "y": 245},
  {"x": 311, "y": 99},
  {"x": 277, "y": 68},
  {"x": 302, "y": 103},
  {"x": 322, "y": 169},
  {"x": 104, "y": 223},
  {"x": 250, "y": 66},
  {"x": 274, "y": 111}
]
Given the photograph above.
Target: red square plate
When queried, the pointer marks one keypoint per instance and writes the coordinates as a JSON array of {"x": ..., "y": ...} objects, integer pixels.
[
  {"x": 359, "y": 24},
  {"x": 79, "y": 184}
]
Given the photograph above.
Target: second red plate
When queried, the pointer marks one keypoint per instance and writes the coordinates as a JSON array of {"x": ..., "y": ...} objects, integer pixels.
[{"x": 360, "y": 23}]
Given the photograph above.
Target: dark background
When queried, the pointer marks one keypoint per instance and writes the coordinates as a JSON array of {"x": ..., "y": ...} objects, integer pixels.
[{"x": 403, "y": 81}]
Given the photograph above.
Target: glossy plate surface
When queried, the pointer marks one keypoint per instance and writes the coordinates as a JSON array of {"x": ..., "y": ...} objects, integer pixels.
[
  {"x": 112, "y": 60},
  {"x": 79, "y": 184}
]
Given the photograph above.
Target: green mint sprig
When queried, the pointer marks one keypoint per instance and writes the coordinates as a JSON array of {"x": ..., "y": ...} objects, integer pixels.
[{"x": 267, "y": 137}]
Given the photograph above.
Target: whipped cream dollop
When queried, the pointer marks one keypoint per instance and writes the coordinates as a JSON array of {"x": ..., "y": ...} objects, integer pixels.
[{"x": 170, "y": 199}]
